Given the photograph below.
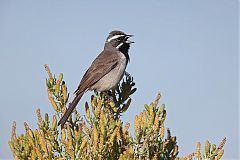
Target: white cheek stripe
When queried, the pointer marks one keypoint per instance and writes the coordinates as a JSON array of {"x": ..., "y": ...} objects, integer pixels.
[
  {"x": 114, "y": 37},
  {"x": 119, "y": 45}
]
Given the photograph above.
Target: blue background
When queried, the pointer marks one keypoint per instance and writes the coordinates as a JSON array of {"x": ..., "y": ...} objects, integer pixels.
[{"x": 186, "y": 49}]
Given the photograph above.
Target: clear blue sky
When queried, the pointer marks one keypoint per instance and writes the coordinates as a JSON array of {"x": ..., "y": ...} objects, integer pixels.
[{"x": 186, "y": 49}]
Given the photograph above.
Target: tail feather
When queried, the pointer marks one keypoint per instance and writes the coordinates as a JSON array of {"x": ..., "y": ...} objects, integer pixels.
[{"x": 70, "y": 109}]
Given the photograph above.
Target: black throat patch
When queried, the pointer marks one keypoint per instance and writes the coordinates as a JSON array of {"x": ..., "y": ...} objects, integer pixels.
[{"x": 124, "y": 49}]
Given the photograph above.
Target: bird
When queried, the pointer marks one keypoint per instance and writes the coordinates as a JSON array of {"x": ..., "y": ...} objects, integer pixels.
[{"x": 106, "y": 71}]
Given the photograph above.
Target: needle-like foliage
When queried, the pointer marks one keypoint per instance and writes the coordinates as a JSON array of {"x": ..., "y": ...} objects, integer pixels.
[{"x": 100, "y": 134}]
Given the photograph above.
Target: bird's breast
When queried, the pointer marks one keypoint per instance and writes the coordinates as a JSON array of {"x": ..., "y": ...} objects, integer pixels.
[{"x": 112, "y": 78}]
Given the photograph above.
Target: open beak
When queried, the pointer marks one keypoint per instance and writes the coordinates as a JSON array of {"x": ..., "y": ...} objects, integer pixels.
[{"x": 127, "y": 40}]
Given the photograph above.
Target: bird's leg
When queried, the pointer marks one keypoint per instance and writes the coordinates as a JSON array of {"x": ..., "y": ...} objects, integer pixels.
[
  {"x": 98, "y": 94},
  {"x": 107, "y": 95}
]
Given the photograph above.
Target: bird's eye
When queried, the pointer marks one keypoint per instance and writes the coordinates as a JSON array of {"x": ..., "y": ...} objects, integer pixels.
[{"x": 119, "y": 39}]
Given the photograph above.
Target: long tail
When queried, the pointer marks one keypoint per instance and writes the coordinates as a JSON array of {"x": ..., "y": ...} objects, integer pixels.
[{"x": 70, "y": 109}]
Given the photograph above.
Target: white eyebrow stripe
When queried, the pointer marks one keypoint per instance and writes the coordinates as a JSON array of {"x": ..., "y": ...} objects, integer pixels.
[{"x": 114, "y": 37}]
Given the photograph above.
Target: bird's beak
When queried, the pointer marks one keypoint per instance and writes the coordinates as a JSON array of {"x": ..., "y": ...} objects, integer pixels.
[
  {"x": 127, "y": 40},
  {"x": 129, "y": 35}
]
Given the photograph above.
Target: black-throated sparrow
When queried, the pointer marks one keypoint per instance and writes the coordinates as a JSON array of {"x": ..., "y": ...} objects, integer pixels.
[{"x": 105, "y": 71}]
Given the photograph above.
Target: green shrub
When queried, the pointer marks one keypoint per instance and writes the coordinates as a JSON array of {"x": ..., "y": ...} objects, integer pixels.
[{"x": 100, "y": 133}]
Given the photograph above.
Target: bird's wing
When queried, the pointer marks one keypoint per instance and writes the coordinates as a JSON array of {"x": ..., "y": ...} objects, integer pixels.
[{"x": 102, "y": 65}]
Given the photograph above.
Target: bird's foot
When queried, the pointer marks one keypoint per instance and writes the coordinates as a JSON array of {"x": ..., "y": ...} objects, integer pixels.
[{"x": 107, "y": 95}]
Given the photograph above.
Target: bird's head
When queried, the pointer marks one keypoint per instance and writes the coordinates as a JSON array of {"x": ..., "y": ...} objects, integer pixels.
[{"x": 119, "y": 40}]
